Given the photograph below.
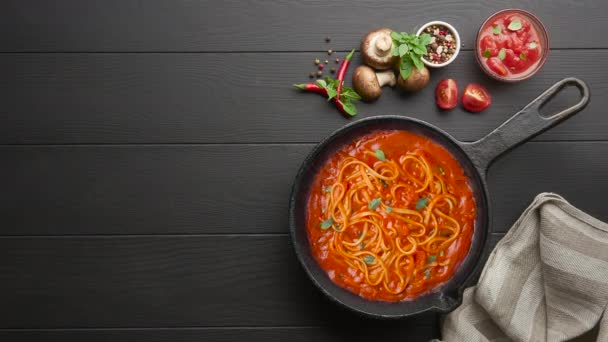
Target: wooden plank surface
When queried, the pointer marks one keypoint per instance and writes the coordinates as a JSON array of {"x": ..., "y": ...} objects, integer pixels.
[
  {"x": 213, "y": 98},
  {"x": 235, "y": 189},
  {"x": 265, "y": 25},
  {"x": 166, "y": 281},
  {"x": 162, "y": 139},
  {"x": 393, "y": 331}
]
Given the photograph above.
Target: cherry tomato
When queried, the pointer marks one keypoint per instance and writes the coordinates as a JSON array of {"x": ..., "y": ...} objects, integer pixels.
[
  {"x": 487, "y": 43},
  {"x": 533, "y": 54},
  {"x": 496, "y": 65},
  {"x": 475, "y": 98},
  {"x": 446, "y": 94},
  {"x": 514, "y": 62}
]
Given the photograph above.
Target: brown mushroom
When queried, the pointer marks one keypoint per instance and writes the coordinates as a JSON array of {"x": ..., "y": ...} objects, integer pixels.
[
  {"x": 376, "y": 49},
  {"x": 418, "y": 79},
  {"x": 368, "y": 83}
]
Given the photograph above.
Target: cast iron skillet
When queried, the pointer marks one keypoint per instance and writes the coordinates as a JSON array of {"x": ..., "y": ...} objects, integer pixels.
[{"x": 474, "y": 158}]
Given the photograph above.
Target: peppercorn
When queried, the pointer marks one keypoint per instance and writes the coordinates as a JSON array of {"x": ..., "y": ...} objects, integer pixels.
[
  {"x": 319, "y": 73},
  {"x": 317, "y": 61},
  {"x": 332, "y": 70},
  {"x": 321, "y": 66},
  {"x": 326, "y": 61},
  {"x": 311, "y": 75},
  {"x": 337, "y": 60},
  {"x": 330, "y": 51},
  {"x": 327, "y": 39}
]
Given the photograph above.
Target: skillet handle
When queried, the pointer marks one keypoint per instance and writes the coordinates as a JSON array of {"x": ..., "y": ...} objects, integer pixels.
[{"x": 524, "y": 125}]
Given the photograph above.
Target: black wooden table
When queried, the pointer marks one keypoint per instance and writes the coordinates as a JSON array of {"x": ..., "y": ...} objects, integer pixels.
[{"x": 148, "y": 149}]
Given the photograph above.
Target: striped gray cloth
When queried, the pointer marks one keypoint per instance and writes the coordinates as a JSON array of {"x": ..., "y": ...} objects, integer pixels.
[{"x": 546, "y": 280}]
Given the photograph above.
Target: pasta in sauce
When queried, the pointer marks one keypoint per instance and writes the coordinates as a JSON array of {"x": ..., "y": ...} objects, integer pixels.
[{"x": 390, "y": 216}]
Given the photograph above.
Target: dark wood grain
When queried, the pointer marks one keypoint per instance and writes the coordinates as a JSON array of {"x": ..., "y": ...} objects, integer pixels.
[
  {"x": 175, "y": 281},
  {"x": 227, "y": 189},
  {"x": 391, "y": 331},
  {"x": 265, "y": 25},
  {"x": 212, "y": 98}
]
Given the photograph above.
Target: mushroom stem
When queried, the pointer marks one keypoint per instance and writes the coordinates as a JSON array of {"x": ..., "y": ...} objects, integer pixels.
[
  {"x": 383, "y": 45},
  {"x": 386, "y": 78}
]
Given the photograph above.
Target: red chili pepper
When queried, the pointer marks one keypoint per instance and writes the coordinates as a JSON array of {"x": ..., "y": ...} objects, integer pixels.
[
  {"x": 342, "y": 72},
  {"x": 314, "y": 88}
]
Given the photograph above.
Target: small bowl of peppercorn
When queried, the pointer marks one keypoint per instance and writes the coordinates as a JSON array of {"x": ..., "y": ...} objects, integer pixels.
[{"x": 444, "y": 45}]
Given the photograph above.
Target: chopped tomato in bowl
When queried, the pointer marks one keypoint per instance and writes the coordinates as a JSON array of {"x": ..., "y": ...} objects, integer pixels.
[{"x": 512, "y": 45}]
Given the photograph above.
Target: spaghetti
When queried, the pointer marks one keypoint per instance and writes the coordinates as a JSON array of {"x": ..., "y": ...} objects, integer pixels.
[{"x": 390, "y": 216}]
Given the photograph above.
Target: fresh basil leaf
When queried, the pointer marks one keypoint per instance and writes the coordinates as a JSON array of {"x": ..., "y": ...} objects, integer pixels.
[
  {"x": 515, "y": 25},
  {"x": 369, "y": 259},
  {"x": 421, "y": 203},
  {"x": 327, "y": 223},
  {"x": 331, "y": 93},
  {"x": 425, "y": 39},
  {"x": 403, "y": 49},
  {"x": 375, "y": 203},
  {"x": 486, "y": 53},
  {"x": 522, "y": 56},
  {"x": 431, "y": 259},
  {"x": 321, "y": 83},
  {"x": 405, "y": 69},
  {"x": 349, "y": 108},
  {"x": 389, "y": 210},
  {"x": 417, "y": 62},
  {"x": 440, "y": 169},
  {"x": 502, "y": 54},
  {"x": 350, "y": 94},
  {"x": 395, "y": 51},
  {"x": 415, "y": 40},
  {"x": 497, "y": 30},
  {"x": 532, "y": 45},
  {"x": 420, "y": 51},
  {"x": 396, "y": 35},
  {"x": 380, "y": 155}
]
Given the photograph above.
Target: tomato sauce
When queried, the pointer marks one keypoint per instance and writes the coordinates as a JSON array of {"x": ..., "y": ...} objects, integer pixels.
[
  {"x": 510, "y": 46},
  {"x": 394, "y": 144}
]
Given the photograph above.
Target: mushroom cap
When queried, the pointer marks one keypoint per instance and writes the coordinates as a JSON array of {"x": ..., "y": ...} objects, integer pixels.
[
  {"x": 376, "y": 49},
  {"x": 417, "y": 81},
  {"x": 366, "y": 83}
]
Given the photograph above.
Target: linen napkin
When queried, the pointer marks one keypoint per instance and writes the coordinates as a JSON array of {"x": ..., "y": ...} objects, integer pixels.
[{"x": 546, "y": 280}]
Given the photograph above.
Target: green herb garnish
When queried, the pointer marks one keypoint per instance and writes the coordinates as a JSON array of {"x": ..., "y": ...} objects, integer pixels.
[
  {"x": 502, "y": 54},
  {"x": 496, "y": 30},
  {"x": 427, "y": 274},
  {"x": 327, "y": 223},
  {"x": 522, "y": 56},
  {"x": 388, "y": 210},
  {"x": 421, "y": 203},
  {"x": 431, "y": 259},
  {"x": 384, "y": 183},
  {"x": 515, "y": 25},
  {"x": 369, "y": 259},
  {"x": 375, "y": 203},
  {"x": 409, "y": 48},
  {"x": 486, "y": 53},
  {"x": 347, "y": 96},
  {"x": 532, "y": 45},
  {"x": 440, "y": 169},
  {"x": 380, "y": 155}
]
